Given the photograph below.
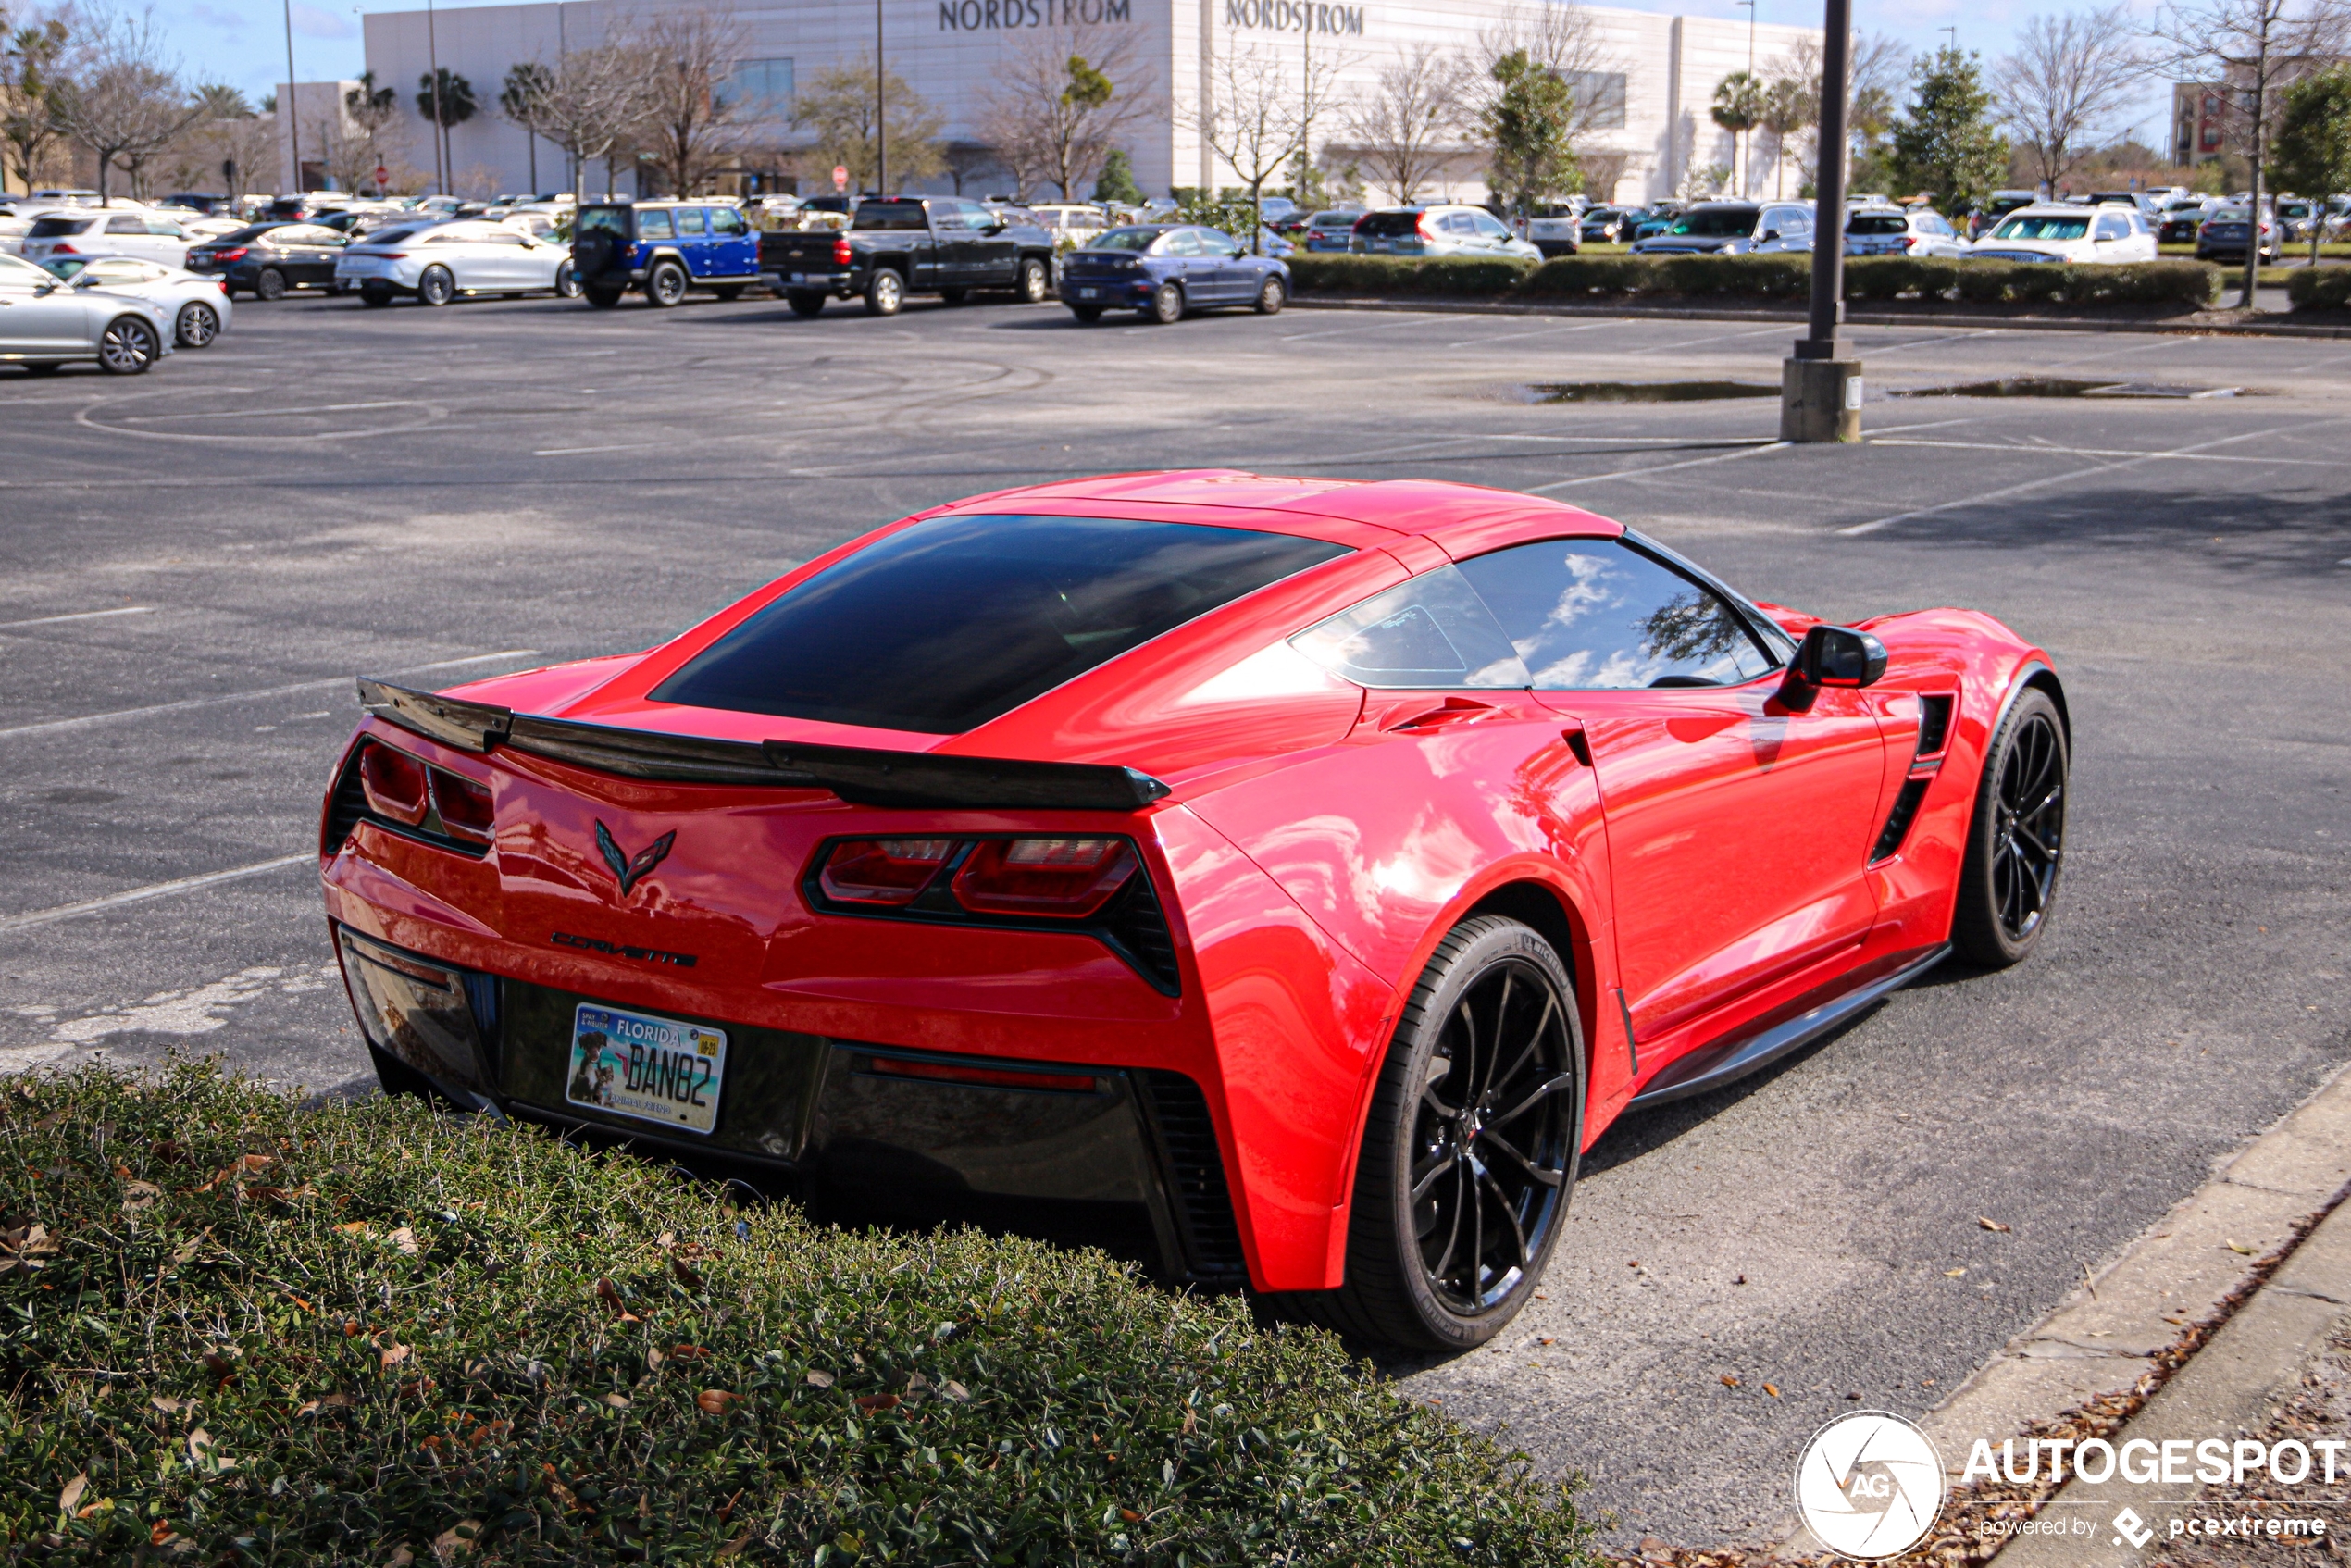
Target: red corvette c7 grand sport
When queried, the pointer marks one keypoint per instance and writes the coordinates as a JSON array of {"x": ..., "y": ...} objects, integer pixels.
[{"x": 1301, "y": 872}]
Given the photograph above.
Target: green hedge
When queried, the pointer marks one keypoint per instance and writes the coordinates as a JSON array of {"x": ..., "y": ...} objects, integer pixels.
[
  {"x": 233, "y": 1331},
  {"x": 2320, "y": 288},
  {"x": 2184, "y": 283}
]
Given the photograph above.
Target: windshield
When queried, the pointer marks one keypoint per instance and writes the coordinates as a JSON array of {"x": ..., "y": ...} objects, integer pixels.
[
  {"x": 2046, "y": 226},
  {"x": 388, "y": 237},
  {"x": 244, "y": 235},
  {"x": 1716, "y": 223},
  {"x": 949, "y": 623},
  {"x": 1124, "y": 240},
  {"x": 599, "y": 220}
]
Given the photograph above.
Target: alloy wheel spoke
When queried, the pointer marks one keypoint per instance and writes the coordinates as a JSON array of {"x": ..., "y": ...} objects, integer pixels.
[
  {"x": 1425, "y": 1176},
  {"x": 1548, "y": 1087},
  {"x": 1492, "y": 1139},
  {"x": 1534, "y": 1041},
  {"x": 1452, "y": 1232},
  {"x": 1518, "y": 1232},
  {"x": 1494, "y": 1040}
]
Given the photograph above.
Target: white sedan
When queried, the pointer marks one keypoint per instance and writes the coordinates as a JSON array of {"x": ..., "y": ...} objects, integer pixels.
[
  {"x": 2049, "y": 232},
  {"x": 200, "y": 307},
  {"x": 440, "y": 262}
]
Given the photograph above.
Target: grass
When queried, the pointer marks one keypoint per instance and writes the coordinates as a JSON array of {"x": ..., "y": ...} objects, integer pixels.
[{"x": 237, "y": 1331}]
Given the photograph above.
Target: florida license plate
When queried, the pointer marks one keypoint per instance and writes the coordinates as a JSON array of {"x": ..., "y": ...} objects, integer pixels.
[
  {"x": 646, "y": 1067},
  {"x": 1085, "y": 293}
]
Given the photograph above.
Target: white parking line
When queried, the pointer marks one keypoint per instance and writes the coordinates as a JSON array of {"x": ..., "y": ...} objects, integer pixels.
[
  {"x": 576, "y": 451},
  {"x": 89, "y": 720},
  {"x": 140, "y": 895},
  {"x": 1659, "y": 468},
  {"x": 2003, "y": 493},
  {"x": 1722, "y": 337},
  {"x": 1394, "y": 318},
  {"x": 1533, "y": 332},
  {"x": 78, "y": 615},
  {"x": 2182, "y": 455}
]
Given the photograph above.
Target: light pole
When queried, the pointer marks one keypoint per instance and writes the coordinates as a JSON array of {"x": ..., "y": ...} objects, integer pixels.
[
  {"x": 1820, "y": 388},
  {"x": 1746, "y": 139},
  {"x": 881, "y": 109},
  {"x": 432, "y": 57},
  {"x": 293, "y": 119}
]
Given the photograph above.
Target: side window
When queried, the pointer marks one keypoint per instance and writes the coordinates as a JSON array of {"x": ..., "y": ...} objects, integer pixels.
[
  {"x": 1488, "y": 225},
  {"x": 2113, "y": 226},
  {"x": 1433, "y": 631},
  {"x": 689, "y": 221},
  {"x": 725, "y": 220},
  {"x": 1597, "y": 615},
  {"x": 126, "y": 225},
  {"x": 655, "y": 225},
  {"x": 1456, "y": 223},
  {"x": 1215, "y": 242},
  {"x": 1183, "y": 242}
]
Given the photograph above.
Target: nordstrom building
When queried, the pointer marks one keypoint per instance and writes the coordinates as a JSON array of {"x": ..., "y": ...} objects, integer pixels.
[{"x": 1647, "y": 80}]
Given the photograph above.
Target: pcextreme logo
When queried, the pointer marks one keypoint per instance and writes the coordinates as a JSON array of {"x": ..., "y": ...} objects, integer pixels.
[{"x": 1869, "y": 1486}]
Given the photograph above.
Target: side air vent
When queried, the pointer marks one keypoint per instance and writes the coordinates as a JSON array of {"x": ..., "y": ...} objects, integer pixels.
[
  {"x": 1934, "y": 725},
  {"x": 1203, "y": 1204},
  {"x": 1138, "y": 926},
  {"x": 347, "y": 808},
  {"x": 1898, "y": 821}
]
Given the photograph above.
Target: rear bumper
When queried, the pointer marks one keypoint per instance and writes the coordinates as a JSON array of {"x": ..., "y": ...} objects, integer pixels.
[{"x": 1127, "y": 1161}]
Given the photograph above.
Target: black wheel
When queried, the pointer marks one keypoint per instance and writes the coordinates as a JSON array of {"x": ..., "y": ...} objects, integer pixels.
[
  {"x": 1470, "y": 1152},
  {"x": 729, "y": 291},
  {"x": 130, "y": 346},
  {"x": 953, "y": 296},
  {"x": 885, "y": 293},
  {"x": 666, "y": 284},
  {"x": 1087, "y": 314},
  {"x": 374, "y": 293},
  {"x": 436, "y": 287},
  {"x": 270, "y": 285},
  {"x": 2016, "y": 843},
  {"x": 566, "y": 282},
  {"x": 602, "y": 298},
  {"x": 1272, "y": 297},
  {"x": 803, "y": 303},
  {"x": 197, "y": 326},
  {"x": 1036, "y": 285},
  {"x": 1167, "y": 306}
]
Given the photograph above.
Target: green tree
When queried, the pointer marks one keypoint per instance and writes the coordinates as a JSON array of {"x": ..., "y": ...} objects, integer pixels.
[
  {"x": 449, "y": 102},
  {"x": 1738, "y": 109},
  {"x": 2310, "y": 155},
  {"x": 1117, "y": 183},
  {"x": 1945, "y": 143},
  {"x": 838, "y": 105},
  {"x": 29, "y": 67},
  {"x": 1528, "y": 124}
]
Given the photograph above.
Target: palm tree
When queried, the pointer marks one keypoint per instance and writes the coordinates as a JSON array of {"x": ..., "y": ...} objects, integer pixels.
[
  {"x": 1738, "y": 106},
  {"x": 452, "y": 104}
]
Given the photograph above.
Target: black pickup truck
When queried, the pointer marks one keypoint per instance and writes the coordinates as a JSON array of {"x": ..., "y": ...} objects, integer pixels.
[{"x": 942, "y": 245}]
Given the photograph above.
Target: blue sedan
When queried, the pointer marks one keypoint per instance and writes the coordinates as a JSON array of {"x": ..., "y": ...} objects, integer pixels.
[{"x": 1165, "y": 270}]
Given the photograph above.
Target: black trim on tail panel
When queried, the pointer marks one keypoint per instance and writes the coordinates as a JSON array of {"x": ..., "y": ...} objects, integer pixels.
[{"x": 1196, "y": 1186}]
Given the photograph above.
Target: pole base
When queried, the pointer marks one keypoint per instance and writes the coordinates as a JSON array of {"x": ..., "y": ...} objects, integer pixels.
[{"x": 1819, "y": 400}]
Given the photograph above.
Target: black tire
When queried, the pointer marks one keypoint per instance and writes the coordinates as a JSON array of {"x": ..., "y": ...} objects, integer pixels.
[
  {"x": 666, "y": 285},
  {"x": 2016, "y": 843},
  {"x": 566, "y": 282},
  {"x": 885, "y": 293},
  {"x": 1271, "y": 295},
  {"x": 601, "y": 297},
  {"x": 1087, "y": 314},
  {"x": 1491, "y": 1027},
  {"x": 436, "y": 287},
  {"x": 1167, "y": 306},
  {"x": 953, "y": 296},
  {"x": 130, "y": 346},
  {"x": 803, "y": 303},
  {"x": 730, "y": 290},
  {"x": 197, "y": 326},
  {"x": 270, "y": 285},
  {"x": 1035, "y": 285},
  {"x": 374, "y": 293}
]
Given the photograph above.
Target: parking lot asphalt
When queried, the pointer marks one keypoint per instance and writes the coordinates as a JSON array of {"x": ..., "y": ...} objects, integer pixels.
[{"x": 196, "y": 562}]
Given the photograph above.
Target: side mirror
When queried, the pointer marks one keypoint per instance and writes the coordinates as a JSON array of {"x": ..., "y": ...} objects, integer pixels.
[
  {"x": 1831, "y": 656},
  {"x": 1771, "y": 234},
  {"x": 1239, "y": 251}
]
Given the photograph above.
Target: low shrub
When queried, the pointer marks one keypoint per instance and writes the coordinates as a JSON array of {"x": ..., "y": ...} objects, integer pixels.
[
  {"x": 1368, "y": 276},
  {"x": 235, "y": 1331},
  {"x": 1887, "y": 277},
  {"x": 1565, "y": 277},
  {"x": 2320, "y": 288}
]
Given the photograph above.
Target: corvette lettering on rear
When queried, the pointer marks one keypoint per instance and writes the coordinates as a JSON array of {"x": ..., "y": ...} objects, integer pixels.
[{"x": 623, "y": 950}]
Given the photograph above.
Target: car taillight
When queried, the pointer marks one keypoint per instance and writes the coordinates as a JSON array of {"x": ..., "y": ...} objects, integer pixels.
[
  {"x": 1069, "y": 879},
  {"x": 841, "y": 252},
  {"x": 882, "y": 870},
  {"x": 389, "y": 255},
  {"x": 395, "y": 784},
  {"x": 466, "y": 807},
  {"x": 237, "y": 255},
  {"x": 61, "y": 248},
  {"x": 1421, "y": 226}
]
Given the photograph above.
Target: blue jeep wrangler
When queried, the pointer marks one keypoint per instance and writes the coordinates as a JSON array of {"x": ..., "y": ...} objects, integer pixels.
[{"x": 664, "y": 249}]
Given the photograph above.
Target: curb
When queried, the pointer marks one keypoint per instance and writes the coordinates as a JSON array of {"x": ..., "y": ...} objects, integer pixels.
[{"x": 1794, "y": 318}]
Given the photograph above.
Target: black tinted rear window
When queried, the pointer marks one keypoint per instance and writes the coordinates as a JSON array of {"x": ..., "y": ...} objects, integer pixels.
[
  {"x": 949, "y": 623},
  {"x": 1877, "y": 223},
  {"x": 888, "y": 215},
  {"x": 1388, "y": 225},
  {"x": 53, "y": 228}
]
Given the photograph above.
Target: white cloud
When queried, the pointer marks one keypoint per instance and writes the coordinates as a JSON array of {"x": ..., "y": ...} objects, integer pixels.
[{"x": 311, "y": 21}]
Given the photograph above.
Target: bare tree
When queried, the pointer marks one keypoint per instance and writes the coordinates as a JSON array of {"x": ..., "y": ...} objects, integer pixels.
[
  {"x": 838, "y": 105},
  {"x": 967, "y": 161},
  {"x": 1878, "y": 70},
  {"x": 693, "y": 125},
  {"x": 2067, "y": 76},
  {"x": 123, "y": 98},
  {"x": 32, "y": 53},
  {"x": 2256, "y": 49},
  {"x": 346, "y": 154},
  {"x": 1401, "y": 127},
  {"x": 372, "y": 111},
  {"x": 1067, "y": 93},
  {"x": 1255, "y": 119},
  {"x": 593, "y": 99}
]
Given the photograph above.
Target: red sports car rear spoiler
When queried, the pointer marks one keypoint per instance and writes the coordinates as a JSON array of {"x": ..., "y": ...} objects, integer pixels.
[{"x": 858, "y": 776}]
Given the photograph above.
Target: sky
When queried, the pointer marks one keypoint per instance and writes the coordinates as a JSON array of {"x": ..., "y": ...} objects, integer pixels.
[{"x": 243, "y": 42}]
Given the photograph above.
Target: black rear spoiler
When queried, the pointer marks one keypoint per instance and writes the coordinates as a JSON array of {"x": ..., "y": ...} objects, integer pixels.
[{"x": 858, "y": 776}]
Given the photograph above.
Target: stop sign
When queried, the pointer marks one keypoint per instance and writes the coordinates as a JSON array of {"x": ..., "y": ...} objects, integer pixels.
[
  {"x": 840, "y": 178},
  {"x": 383, "y": 177}
]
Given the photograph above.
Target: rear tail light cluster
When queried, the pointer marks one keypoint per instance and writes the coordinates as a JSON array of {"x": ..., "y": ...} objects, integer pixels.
[
  {"x": 386, "y": 786},
  {"x": 237, "y": 255},
  {"x": 842, "y": 255},
  {"x": 1421, "y": 224},
  {"x": 1083, "y": 883}
]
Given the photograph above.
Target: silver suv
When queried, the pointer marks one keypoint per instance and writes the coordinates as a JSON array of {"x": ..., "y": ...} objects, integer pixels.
[
  {"x": 1732, "y": 229},
  {"x": 1436, "y": 230}
]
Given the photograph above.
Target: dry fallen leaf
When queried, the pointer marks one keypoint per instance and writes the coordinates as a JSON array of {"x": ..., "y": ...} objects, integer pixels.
[
  {"x": 395, "y": 1354},
  {"x": 72, "y": 1494},
  {"x": 618, "y": 1401},
  {"x": 874, "y": 1404},
  {"x": 713, "y": 1402},
  {"x": 653, "y": 1358},
  {"x": 609, "y": 1294},
  {"x": 138, "y": 1195},
  {"x": 357, "y": 1228},
  {"x": 1953, "y": 1273},
  {"x": 1729, "y": 1381},
  {"x": 958, "y": 1393},
  {"x": 1989, "y": 1224},
  {"x": 405, "y": 1239},
  {"x": 686, "y": 1276},
  {"x": 820, "y": 1379},
  {"x": 2242, "y": 1251},
  {"x": 685, "y": 1352},
  {"x": 400, "y": 1557},
  {"x": 666, "y": 1239},
  {"x": 735, "y": 1546},
  {"x": 456, "y": 1540},
  {"x": 169, "y": 1406},
  {"x": 1773, "y": 1389},
  {"x": 1130, "y": 1516}
]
